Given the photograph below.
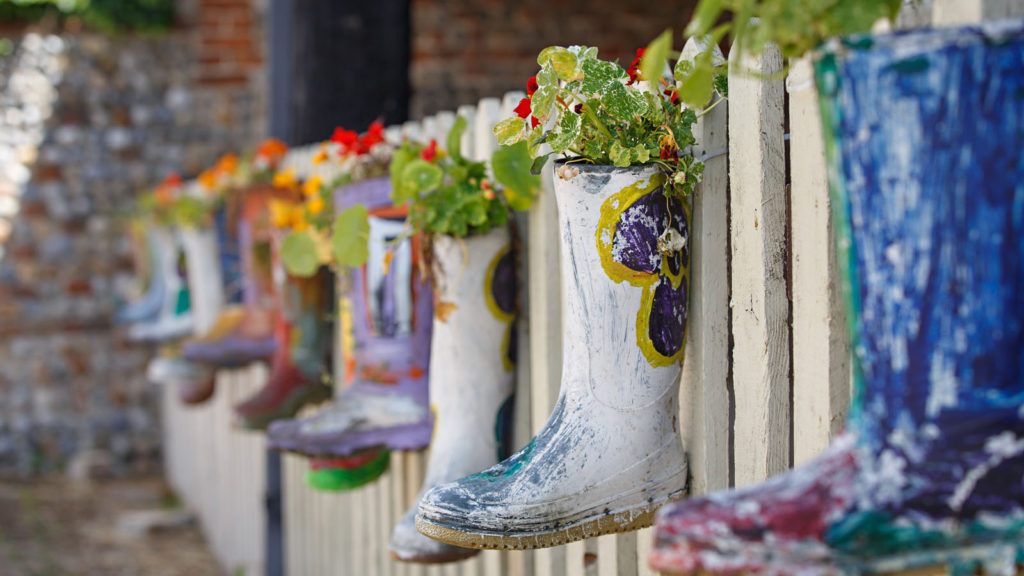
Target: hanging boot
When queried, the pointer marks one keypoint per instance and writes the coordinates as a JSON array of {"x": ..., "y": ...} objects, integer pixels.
[
  {"x": 610, "y": 453},
  {"x": 175, "y": 318},
  {"x": 926, "y": 130},
  {"x": 147, "y": 307},
  {"x": 242, "y": 334},
  {"x": 341, "y": 474},
  {"x": 472, "y": 373},
  {"x": 195, "y": 382},
  {"x": 301, "y": 362},
  {"x": 385, "y": 338}
]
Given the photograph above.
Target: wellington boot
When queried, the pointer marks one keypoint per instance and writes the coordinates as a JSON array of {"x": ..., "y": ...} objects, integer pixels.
[
  {"x": 386, "y": 341},
  {"x": 611, "y": 453},
  {"x": 341, "y": 474},
  {"x": 147, "y": 307},
  {"x": 175, "y": 317},
  {"x": 472, "y": 375},
  {"x": 926, "y": 131},
  {"x": 300, "y": 364}
]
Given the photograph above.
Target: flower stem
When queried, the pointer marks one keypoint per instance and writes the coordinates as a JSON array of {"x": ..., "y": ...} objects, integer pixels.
[
  {"x": 710, "y": 108},
  {"x": 597, "y": 121}
]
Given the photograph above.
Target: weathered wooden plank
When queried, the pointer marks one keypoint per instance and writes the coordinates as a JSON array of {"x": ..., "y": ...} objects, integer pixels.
[
  {"x": 961, "y": 12},
  {"x": 758, "y": 221},
  {"x": 821, "y": 362},
  {"x": 704, "y": 397}
]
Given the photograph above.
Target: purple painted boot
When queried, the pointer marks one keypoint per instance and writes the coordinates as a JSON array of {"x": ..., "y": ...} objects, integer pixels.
[
  {"x": 244, "y": 334},
  {"x": 925, "y": 132},
  {"x": 386, "y": 318}
]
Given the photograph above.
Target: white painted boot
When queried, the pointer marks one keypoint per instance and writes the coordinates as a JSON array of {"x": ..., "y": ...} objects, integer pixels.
[
  {"x": 472, "y": 374},
  {"x": 175, "y": 318},
  {"x": 205, "y": 278},
  {"x": 611, "y": 453}
]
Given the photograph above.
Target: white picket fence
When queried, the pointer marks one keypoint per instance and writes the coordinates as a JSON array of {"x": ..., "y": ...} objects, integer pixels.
[{"x": 765, "y": 381}]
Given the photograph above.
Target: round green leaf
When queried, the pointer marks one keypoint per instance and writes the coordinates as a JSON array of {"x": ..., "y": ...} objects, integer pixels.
[
  {"x": 351, "y": 236},
  {"x": 511, "y": 166},
  {"x": 298, "y": 254}
]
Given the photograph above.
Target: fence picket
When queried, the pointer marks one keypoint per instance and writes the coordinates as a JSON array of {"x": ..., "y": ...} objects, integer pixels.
[
  {"x": 821, "y": 365},
  {"x": 761, "y": 367}
]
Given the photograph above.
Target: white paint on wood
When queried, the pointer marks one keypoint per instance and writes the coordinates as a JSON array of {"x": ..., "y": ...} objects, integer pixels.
[
  {"x": 821, "y": 365},
  {"x": 963, "y": 12},
  {"x": 704, "y": 405},
  {"x": 760, "y": 326}
]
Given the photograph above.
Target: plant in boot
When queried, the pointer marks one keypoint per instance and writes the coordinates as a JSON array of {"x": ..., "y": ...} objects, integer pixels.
[
  {"x": 929, "y": 470},
  {"x": 384, "y": 339},
  {"x": 611, "y": 452},
  {"x": 340, "y": 474},
  {"x": 464, "y": 219}
]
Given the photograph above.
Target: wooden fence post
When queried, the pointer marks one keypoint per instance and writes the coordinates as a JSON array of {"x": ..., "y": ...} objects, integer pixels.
[{"x": 760, "y": 306}]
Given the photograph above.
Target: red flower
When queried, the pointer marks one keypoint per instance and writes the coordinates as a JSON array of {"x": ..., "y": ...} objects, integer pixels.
[
  {"x": 634, "y": 68},
  {"x": 673, "y": 95},
  {"x": 524, "y": 110},
  {"x": 531, "y": 86},
  {"x": 430, "y": 152},
  {"x": 346, "y": 139},
  {"x": 579, "y": 108}
]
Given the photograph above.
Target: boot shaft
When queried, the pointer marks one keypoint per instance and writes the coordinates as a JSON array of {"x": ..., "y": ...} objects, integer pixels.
[
  {"x": 385, "y": 306},
  {"x": 625, "y": 298},
  {"x": 924, "y": 132}
]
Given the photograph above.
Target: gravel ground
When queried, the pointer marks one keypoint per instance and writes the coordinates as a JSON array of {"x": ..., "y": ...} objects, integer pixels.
[{"x": 56, "y": 528}]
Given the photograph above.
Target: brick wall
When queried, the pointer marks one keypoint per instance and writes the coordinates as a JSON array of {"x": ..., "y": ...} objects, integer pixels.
[
  {"x": 87, "y": 122},
  {"x": 465, "y": 50}
]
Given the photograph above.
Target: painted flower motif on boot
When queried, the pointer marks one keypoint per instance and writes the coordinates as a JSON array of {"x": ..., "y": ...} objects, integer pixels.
[
  {"x": 500, "y": 295},
  {"x": 642, "y": 238}
]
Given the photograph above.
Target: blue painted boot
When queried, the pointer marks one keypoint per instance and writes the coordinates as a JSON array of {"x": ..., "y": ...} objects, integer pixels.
[{"x": 925, "y": 133}]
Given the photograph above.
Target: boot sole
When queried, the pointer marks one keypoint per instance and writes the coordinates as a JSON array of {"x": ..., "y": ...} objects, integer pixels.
[
  {"x": 290, "y": 407},
  {"x": 435, "y": 558},
  {"x": 615, "y": 522}
]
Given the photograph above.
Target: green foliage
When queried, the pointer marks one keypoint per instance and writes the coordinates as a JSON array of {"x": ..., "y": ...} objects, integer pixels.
[
  {"x": 449, "y": 194},
  {"x": 795, "y": 26},
  {"x": 350, "y": 236},
  {"x": 298, "y": 254},
  {"x": 597, "y": 111},
  {"x": 104, "y": 15},
  {"x": 512, "y": 169}
]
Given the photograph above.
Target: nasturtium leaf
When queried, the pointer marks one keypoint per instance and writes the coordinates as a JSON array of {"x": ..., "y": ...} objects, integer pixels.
[
  {"x": 598, "y": 75},
  {"x": 566, "y": 133},
  {"x": 399, "y": 160},
  {"x": 299, "y": 255},
  {"x": 455, "y": 138},
  {"x": 542, "y": 101},
  {"x": 351, "y": 236},
  {"x": 695, "y": 90},
  {"x": 510, "y": 130},
  {"x": 622, "y": 102},
  {"x": 535, "y": 139},
  {"x": 420, "y": 177},
  {"x": 476, "y": 211},
  {"x": 652, "y": 65},
  {"x": 538, "y": 164},
  {"x": 547, "y": 76},
  {"x": 705, "y": 16},
  {"x": 511, "y": 166},
  {"x": 721, "y": 84},
  {"x": 562, "y": 61}
]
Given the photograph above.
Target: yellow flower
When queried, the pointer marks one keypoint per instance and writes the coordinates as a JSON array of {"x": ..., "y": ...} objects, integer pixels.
[
  {"x": 285, "y": 179},
  {"x": 315, "y": 205},
  {"x": 281, "y": 213},
  {"x": 321, "y": 155},
  {"x": 312, "y": 186}
]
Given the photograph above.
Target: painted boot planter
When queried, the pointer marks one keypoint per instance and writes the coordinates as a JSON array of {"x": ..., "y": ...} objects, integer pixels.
[
  {"x": 147, "y": 307},
  {"x": 924, "y": 131},
  {"x": 385, "y": 341},
  {"x": 341, "y": 474},
  {"x": 611, "y": 453},
  {"x": 243, "y": 334},
  {"x": 174, "y": 318},
  {"x": 300, "y": 365},
  {"x": 472, "y": 373}
]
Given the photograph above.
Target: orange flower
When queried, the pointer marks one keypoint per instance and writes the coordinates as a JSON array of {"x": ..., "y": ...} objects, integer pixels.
[
  {"x": 321, "y": 155},
  {"x": 312, "y": 186},
  {"x": 315, "y": 205},
  {"x": 285, "y": 179},
  {"x": 271, "y": 151}
]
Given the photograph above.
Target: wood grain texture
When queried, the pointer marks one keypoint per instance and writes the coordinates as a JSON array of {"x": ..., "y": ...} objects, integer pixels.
[
  {"x": 704, "y": 399},
  {"x": 821, "y": 362},
  {"x": 963, "y": 12},
  {"x": 758, "y": 220}
]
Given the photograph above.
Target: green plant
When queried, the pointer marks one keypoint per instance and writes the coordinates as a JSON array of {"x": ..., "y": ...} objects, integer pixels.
[
  {"x": 795, "y": 26},
  {"x": 104, "y": 15},
  {"x": 595, "y": 111},
  {"x": 446, "y": 192}
]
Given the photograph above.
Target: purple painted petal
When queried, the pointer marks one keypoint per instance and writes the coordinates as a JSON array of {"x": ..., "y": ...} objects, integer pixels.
[
  {"x": 667, "y": 327},
  {"x": 503, "y": 285},
  {"x": 635, "y": 244}
]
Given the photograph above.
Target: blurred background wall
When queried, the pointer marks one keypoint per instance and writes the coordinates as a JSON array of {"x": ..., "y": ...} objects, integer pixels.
[{"x": 90, "y": 117}]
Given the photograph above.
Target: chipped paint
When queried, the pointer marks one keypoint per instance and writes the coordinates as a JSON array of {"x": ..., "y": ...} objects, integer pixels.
[{"x": 924, "y": 132}]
